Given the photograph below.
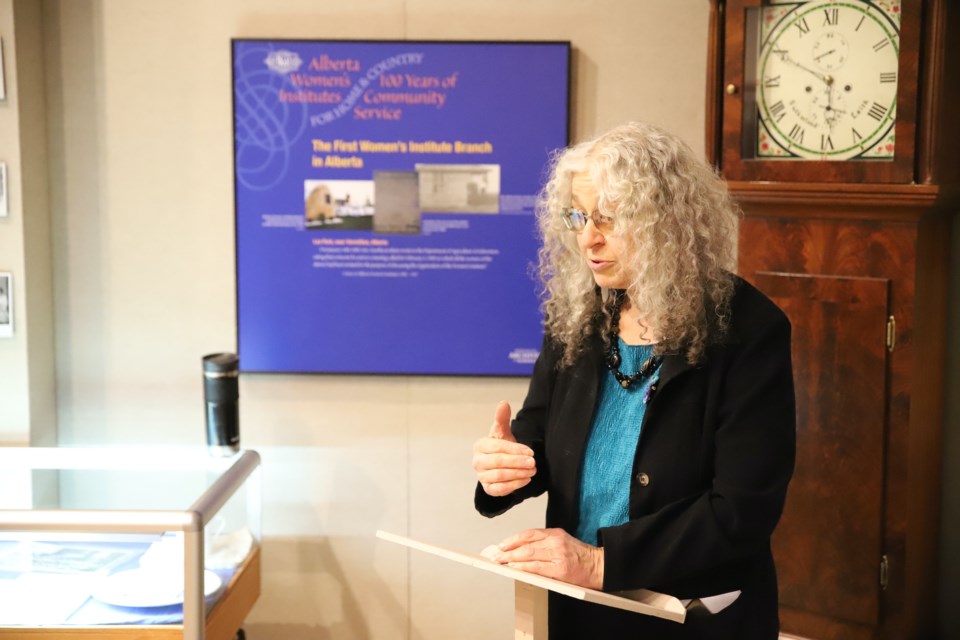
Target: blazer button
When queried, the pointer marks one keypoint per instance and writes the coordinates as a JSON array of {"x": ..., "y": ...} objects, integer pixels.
[{"x": 643, "y": 479}]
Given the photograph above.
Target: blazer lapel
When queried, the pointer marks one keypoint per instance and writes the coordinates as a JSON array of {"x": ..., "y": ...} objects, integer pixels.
[
  {"x": 673, "y": 365},
  {"x": 576, "y": 417},
  {"x": 588, "y": 384}
]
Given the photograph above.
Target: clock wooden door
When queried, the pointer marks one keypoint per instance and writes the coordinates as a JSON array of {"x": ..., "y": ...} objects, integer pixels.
[{"x": 831, "y": 120}]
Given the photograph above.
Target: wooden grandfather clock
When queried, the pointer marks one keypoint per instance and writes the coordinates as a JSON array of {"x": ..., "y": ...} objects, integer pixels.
[{"x": 835, "y": 123}]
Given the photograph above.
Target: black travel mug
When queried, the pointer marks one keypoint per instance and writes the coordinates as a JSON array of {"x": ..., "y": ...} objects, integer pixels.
[{"x": 221, "y": 394}]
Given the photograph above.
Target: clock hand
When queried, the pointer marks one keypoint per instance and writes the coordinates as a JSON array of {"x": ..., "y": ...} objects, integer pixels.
[
  {"x": 825, "y": 53},
  {"x": 830, "y": 115},
  {"x": 785, "y": 57}
]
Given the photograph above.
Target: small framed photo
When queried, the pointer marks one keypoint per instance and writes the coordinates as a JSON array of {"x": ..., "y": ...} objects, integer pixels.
[
  {"x": 6, "y": 305},
  {"x": 4, "y": 208}
]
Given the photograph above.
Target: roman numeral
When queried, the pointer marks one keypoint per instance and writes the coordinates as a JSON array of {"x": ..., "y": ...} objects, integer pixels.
[
  {"x": 797, "y": 133},
  {"x": 880, "y": 45},
  {"x": 802, "y": 25},
  {"x": 778, "y": 110},
  {"x": 770, "y": 83},
  {"x": 888, "y": 77},
  {"x": 832, "y": 16},
  {"x": 860, "y": 23},
  {"x": 877, "y": 111},
  {"x": 825, "y": 143},
  {"x": 856, "y": 135}
]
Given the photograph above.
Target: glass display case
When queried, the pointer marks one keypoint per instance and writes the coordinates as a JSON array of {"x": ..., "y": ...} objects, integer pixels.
[{"x": 127, "y": 543}]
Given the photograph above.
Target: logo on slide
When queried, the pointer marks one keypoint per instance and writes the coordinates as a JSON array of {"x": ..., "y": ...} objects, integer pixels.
[{"x": 283, "y": 61}]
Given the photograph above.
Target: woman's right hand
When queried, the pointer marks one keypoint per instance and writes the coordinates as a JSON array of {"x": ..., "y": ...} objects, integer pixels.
[{"x": 502, "y": 464}]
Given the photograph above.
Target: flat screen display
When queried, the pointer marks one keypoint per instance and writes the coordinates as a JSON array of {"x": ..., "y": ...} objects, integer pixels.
[{"x": 385, "y": 195}]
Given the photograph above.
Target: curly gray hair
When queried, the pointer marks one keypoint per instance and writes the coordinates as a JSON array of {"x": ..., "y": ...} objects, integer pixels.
[{"x": 678, "y": 225}]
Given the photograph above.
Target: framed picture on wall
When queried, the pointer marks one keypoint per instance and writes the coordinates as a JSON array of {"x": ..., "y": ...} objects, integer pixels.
[
  {"x": 6, "y": 305},
  {"x": 4, "y": 209},
  {"x": 3, "y": 81}
]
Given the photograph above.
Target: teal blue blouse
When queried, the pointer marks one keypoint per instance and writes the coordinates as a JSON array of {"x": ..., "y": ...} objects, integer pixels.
[{"x": 608, "y": 458}]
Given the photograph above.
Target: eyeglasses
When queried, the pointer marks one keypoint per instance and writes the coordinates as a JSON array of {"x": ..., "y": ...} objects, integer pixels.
[{"x": 575, "y": 219}]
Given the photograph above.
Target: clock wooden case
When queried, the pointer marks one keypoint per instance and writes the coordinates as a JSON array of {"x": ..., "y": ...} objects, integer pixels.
[{"x": 847, "y": 223}]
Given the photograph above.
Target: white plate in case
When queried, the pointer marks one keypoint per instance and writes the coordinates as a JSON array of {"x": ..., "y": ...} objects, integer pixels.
[{"x": 143, "y": 588}]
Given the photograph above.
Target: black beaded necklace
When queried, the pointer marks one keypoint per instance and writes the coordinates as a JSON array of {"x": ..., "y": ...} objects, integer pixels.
[{"x": 613, "y": 357}]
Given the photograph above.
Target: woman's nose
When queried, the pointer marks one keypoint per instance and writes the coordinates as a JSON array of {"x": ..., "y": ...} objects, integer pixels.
[{"x": 591, "y": 236}]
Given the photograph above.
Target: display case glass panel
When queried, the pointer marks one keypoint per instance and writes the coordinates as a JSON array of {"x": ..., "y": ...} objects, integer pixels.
[{"x": 93, "y": 537}]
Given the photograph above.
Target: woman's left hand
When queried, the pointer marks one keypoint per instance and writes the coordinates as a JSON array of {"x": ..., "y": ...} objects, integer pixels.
[{"x": 553, "y": 553}]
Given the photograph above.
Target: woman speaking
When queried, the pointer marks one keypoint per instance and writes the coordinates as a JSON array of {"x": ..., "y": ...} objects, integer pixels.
[{"x": 660, "y": 416}]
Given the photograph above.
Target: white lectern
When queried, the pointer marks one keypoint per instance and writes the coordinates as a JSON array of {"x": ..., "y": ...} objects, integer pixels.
[{"x": 531, "y": 591}]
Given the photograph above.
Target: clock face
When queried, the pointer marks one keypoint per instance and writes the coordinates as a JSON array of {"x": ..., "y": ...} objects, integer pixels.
[{"x": 827, "y": 80}]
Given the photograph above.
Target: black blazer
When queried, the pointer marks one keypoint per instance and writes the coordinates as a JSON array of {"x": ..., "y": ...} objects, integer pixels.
[{"x": 710, "y": 473}]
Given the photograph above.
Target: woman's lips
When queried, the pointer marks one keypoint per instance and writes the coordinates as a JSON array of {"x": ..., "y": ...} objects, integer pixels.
[{"x": 599, "y": 265}]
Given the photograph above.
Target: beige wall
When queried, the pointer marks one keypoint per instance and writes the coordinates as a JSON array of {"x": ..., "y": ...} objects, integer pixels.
[
  {"x": 141, "y": 194},
  {"x": 15, "y": 415},
  {"x": 27, "y": 399}
]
